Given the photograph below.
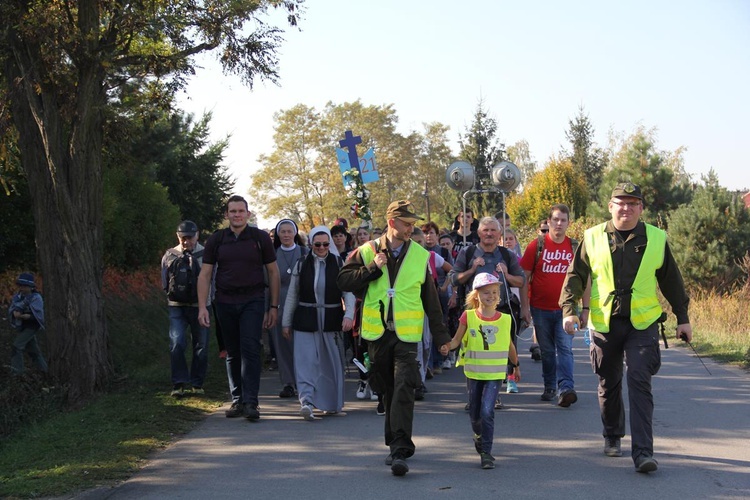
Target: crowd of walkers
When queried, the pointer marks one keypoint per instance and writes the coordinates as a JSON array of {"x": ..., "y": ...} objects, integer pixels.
[{"x": 407, "y": 302}]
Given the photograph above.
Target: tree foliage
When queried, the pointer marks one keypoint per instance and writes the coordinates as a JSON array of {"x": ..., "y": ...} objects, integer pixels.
[
  {"x": 658, "y": 173},
  {"x": 558, "y": 182},
  {"x": 300, "y": 178},
  {"x": 585, "y": 156},
  {"x": 520, "y": 154},
  {"x": 480, "y": 147},
  {"x": 58, "y": 61},
  {"x": 709, "y": 236}
]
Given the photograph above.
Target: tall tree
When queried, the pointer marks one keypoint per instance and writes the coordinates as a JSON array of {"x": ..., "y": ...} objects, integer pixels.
[
  {"x": 58, "y": 61},
  {"x": 585, "y": 156},
  {"x": 637, "y": 159},
  {"x": 480, "y": 147},
  {"x": 710, "y": 235},
  {"x": 300, "y": 178}
]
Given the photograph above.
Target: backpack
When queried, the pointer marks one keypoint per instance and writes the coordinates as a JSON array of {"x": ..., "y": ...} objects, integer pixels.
[
  {"x": 182, "y": 275},
  {"x": 540, "y": 246}
]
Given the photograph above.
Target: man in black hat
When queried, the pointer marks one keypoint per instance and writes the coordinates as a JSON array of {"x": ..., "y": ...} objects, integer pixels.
[
  {"x": 625, "y": 259},
  {"x": 180, "y": 267},
  {"x": 391, "y": 276},
  {"x": 26, "y": 315}
]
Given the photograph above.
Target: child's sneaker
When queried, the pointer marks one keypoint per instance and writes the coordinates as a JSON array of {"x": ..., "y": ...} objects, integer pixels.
[
  {"x": 362, "y": 390},
  {"x": 512, "y": 387}
]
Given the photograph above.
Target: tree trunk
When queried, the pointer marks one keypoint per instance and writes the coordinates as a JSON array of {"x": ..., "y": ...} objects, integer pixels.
[{"x": 60, "y": 139}]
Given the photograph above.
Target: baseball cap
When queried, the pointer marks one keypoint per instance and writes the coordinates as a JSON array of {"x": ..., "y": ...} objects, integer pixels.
[
  {"x": 187, "y": 228},
  {"x": 627, "y": 189},
  {"x": 484, "y": 279},
  {"x": 402, "y": 209}
]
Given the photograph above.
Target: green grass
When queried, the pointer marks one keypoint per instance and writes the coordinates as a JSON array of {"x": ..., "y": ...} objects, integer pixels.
[{"x": 110, "y": 438}]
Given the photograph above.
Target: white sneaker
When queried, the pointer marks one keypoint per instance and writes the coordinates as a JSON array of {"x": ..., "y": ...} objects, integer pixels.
[
  {"x": 447, "y": 365},
  {"x": 373, "y": 395},
  {"x": 362, "y": 390},
  {"x": 307, "y": 412}
]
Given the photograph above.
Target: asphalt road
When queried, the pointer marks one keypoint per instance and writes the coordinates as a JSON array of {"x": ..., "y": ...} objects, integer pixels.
[{"x": 701, "y": 428}]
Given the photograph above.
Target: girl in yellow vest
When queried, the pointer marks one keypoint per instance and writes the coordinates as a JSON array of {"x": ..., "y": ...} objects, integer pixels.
[{"x": 487, "y": 348}]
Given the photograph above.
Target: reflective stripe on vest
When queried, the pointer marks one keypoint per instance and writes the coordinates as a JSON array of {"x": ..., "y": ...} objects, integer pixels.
[
  {"x": 644, "y": 302},
  {"x": 408, "y": 312},
  {"x": 487, "y": 344}
]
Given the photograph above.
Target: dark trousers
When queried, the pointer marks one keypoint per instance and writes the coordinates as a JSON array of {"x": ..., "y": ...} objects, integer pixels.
[
  {"x": 241, "y": 328},
  {"x": 643, "y": 359},
  {"x": 394, "y": 373}
]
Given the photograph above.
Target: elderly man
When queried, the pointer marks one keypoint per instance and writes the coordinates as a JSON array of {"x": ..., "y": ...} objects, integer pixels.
[
  {"x": 488, "y": 257},
  {"x": 624, "y": 259},
  {"x": 392, "y": 276},
  {"x": 180, "y": 268}
]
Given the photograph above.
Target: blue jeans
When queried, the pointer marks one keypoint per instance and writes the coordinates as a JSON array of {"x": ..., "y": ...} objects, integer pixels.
[
  {"x": 482, "y": 396},
  {"x": 556, "y": 347},
  {"x": 180, "y": 318},
  {"x": 241, "y": 328},
  {"x": 26, "y": 341}
]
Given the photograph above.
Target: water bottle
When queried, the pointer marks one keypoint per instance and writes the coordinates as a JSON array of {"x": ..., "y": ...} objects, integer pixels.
[
  {"x": 587, "y": 336},
  {"x": 367, "y": 361}
]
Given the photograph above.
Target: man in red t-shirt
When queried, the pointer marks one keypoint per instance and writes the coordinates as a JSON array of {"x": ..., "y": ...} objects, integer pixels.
[{"x": 545, "y": 272}]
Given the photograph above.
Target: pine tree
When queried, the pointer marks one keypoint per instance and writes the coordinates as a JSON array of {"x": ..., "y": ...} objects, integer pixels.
[
  {"x": 481, "y": 149},
  {"x": 586, "y": 157}
]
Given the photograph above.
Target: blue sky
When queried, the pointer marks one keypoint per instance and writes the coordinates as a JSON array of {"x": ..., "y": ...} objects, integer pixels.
[{"x": 680, "y": 67}]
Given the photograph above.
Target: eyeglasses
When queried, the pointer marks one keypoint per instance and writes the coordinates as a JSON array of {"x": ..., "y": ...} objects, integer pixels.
[
  {"x": 544, "y": 230},
  {"x": 628, "y": 204},
  {"x": 319, "y": 244}
]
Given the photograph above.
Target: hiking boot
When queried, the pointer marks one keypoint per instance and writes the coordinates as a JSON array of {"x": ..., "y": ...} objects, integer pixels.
[
  {"x": 399, "y": 466},
  {"x": 362, "y": 390},
  {"x": 287, "y": 392},
  {"x": 307, "y": 412},
  {"x": 612, "y": 447},
  {"x": 177, "y": 391},
  {"x": 197, "y": 391},
  {"x": 536, "y": 352},
  {"x": 381, "y": 409},
  {"x": 567, "y": 398},
  {"x": 512, "y": 387},
  {"x": 419, "y": 393},
  {"x": 236, "y": 410},
  {"x": 251, "y": 412},
  {"x": 488, "y": 461},
  {"x": 549, "y": 394},
  {"x": 478, "y": 443},
  {"x": 646, "y": 463}
]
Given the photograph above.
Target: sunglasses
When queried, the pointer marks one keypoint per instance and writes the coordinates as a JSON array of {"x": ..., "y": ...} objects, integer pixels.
[
  {"x": 319, "y": 244},
  {"x": 544, "y": 230}
]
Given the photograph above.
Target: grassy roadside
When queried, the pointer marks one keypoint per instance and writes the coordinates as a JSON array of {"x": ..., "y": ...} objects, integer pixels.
[{"x": 111, "y": 438}]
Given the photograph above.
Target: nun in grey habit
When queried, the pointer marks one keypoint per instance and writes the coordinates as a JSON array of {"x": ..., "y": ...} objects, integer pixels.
[{"x": 314, "y": 314}]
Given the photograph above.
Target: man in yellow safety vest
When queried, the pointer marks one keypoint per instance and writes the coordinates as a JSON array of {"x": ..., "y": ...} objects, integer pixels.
[
  {"x": 625, "y": 259},
  {"x": 392, "y": 277}
]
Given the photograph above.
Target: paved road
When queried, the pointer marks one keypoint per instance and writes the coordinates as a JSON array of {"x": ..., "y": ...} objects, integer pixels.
[{"x": 702, "y": 442}]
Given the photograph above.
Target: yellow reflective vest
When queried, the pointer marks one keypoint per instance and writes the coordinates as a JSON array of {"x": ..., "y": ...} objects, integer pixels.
[
  {"x": 405, "y": 296},
  {"x": 644, "y": 303},
  {"x": 487, "y": 343}
]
